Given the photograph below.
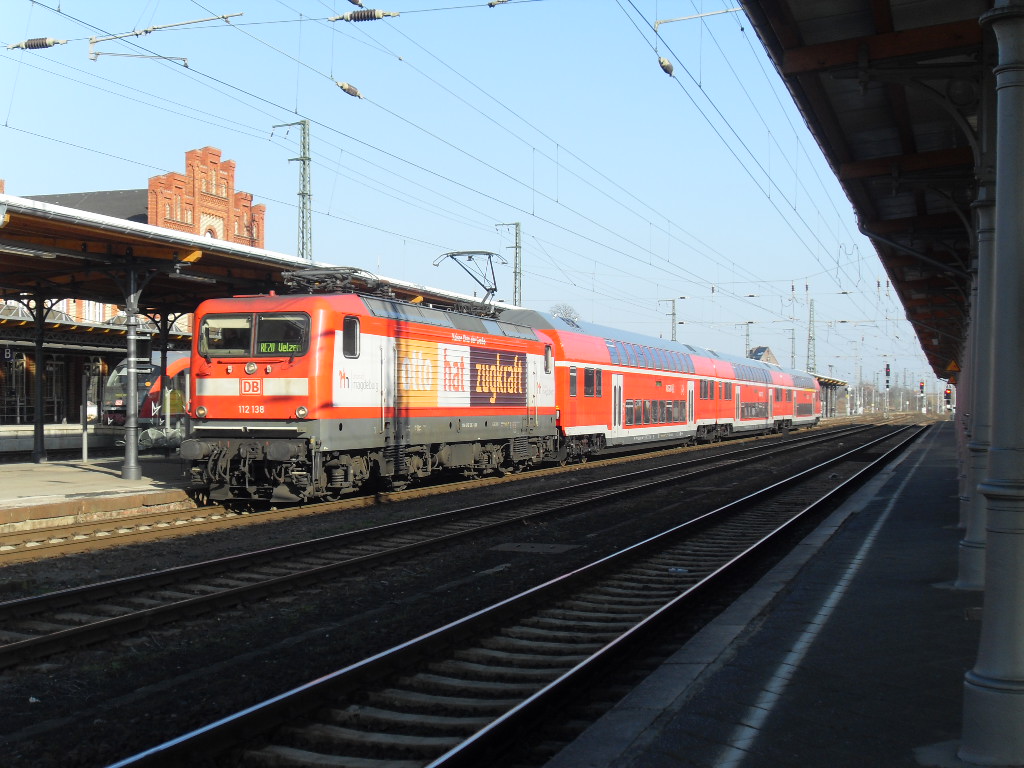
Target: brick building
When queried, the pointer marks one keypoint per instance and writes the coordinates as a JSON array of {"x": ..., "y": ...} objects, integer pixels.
[{"x": 203, "y": 200}]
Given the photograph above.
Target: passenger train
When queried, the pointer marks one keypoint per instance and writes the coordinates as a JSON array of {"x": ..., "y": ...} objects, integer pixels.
[
  {"x": 309, "y": 396},
  {"x": 152, "y": 411}
]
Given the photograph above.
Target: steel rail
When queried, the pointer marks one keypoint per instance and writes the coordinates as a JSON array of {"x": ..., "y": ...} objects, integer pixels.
[
  {"x": 32, "y": 544},
  {"x": 480, "y": 518},
  {"x": 254, "y": 721}
]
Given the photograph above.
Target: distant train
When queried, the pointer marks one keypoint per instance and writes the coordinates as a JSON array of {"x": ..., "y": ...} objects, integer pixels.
[
  {"x": 298, "y": 397},
  {"x": 150, "y": 392}
]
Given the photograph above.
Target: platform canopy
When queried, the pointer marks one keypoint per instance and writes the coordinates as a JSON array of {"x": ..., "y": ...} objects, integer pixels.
[
  {"x": 58, "y": 252},
  {"x": 892, "y": 91}
]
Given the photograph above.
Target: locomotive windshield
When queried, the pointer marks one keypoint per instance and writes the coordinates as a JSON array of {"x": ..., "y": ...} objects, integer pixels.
[
  {"x": 282, "y": 333},
  {"x": 274, "y": 334},
  {"x": 226, "y": 336}
]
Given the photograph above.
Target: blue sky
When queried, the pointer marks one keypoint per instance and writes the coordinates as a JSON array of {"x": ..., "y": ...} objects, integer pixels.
[{"x": 632, "y": 188}]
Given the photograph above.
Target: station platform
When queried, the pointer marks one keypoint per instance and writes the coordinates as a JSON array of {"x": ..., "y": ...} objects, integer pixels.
[
  {"x": 850, "y": 653},
  {"x": 58, "y": 492}
]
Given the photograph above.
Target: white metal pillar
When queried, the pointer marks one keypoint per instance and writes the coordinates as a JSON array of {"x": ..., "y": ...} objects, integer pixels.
[{"x": 994, "y": 690}]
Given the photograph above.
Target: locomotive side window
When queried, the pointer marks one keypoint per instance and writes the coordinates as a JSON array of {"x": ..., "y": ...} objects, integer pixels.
[
  {"x": 282, "y": 333},
  {"x": 572, "y": 381},
  {"x": 597, "y": 383},
  {"x": 225, "y": 336},
  {"x": 588, "y": 382},
  {"x": 350, "y": 336}
]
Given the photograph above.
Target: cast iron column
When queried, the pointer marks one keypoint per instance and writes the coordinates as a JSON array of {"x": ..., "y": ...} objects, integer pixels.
[
  {"x": 131, "y": 470},
  {"x": 994, "y": 690},
  {"x": 971, "y": 573}
]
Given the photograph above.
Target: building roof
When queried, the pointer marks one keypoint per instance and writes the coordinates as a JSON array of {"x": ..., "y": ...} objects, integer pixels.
[{"x": 130, "y": 204}]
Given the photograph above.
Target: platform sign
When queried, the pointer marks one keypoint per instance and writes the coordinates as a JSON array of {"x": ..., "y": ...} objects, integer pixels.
[{"x": 8, "y": 354}]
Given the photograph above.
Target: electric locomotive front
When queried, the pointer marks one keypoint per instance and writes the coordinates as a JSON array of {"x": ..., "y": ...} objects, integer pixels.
[
  {"x": 257, "y": 366},
  {"x": 303, "y": 397}
]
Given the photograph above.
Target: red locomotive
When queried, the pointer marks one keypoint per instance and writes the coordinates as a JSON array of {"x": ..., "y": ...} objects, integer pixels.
[{"x": 298, "y": 397}]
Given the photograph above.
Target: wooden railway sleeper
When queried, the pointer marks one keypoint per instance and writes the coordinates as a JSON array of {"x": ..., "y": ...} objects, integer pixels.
[{"x": 274, "y": 756}]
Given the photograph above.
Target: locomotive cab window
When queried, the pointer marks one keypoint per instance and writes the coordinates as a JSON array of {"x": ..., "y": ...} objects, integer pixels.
[
  {"x": 549, "y": 357},
  {"x": 572, "y": 381},
  {"x": 282, "y": 333},
  {"x": 225, "y": 336},
  {"x": 350, "y": 337}
]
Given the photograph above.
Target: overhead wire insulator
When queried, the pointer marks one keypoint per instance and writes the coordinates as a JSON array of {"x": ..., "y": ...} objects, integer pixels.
[
  {"x": 350, "y": 89},
  {"x": 35, "y": 43},
  {"x": 665, "y": 65},
  {"x": 367, "y": 14}
]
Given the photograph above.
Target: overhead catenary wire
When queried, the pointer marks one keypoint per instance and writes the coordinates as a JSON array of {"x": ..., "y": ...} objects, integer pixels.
[{"x": 629, "y": 247}]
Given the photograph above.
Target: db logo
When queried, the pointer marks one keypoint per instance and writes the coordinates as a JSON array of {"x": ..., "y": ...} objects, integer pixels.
[{"x": 252, "y": 386}]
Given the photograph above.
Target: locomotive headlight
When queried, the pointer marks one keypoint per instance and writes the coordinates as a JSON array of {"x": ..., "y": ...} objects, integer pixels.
[
  {"x": 301, "y": 412},
  {"x": 201, "y": 411},
  {"x": 250, "y": 368}
]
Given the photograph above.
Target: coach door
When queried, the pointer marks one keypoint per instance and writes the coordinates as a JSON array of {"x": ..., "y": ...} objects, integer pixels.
[
  {"x": 531, "y": 395},
  {"x": 617, "y": 405},
  {"x": 739, "y": 403},
  {"x": 689, "y": 402}
]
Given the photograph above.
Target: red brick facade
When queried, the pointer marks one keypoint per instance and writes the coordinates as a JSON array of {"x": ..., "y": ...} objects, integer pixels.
[{"x": 204, "y": 201}]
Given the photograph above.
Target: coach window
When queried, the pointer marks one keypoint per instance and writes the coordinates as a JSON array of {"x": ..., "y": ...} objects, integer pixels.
[
  {"x": 789, "y": 395},
  {"x": 572, "y": 381},
  {"x": 639, "y": 355},
  {"x": 728, "y": 390},
  {"x": 670, "y": 405},
  {"x": 549, "y": 356},
  {"x": 662, "y": 412},
  {"x": 629, "y": 413},
  {"x": 350, "y": 336},
  {"x": 597, "y": 382},
  {"x": 647, "y": 411},
  {"x": 588, "y": 382},
  {"x": 613, "y": 351}
]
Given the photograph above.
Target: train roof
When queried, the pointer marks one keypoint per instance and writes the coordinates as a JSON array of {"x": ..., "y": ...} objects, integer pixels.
[{"x": 545, "y": 321}]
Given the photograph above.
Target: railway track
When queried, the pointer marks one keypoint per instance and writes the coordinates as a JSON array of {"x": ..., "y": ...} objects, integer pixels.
[
  {"x": 52, "y": 541},
  {"x": 35, "y": 627},
  {"x": 458, "y": 696}
]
